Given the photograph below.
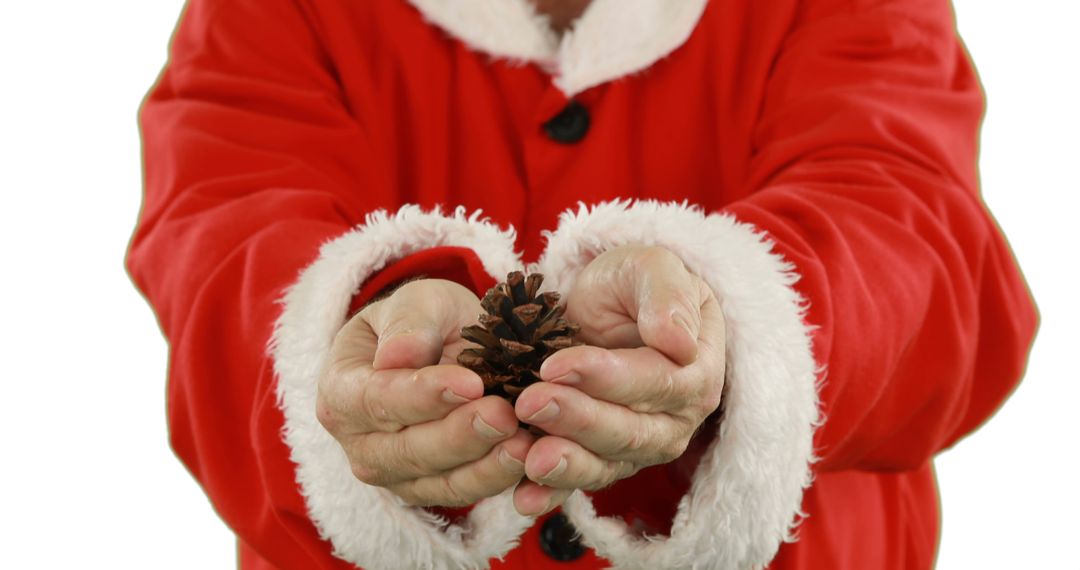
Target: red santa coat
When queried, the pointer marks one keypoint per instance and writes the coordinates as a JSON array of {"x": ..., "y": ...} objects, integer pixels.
[{"x": 813, "y": 161}]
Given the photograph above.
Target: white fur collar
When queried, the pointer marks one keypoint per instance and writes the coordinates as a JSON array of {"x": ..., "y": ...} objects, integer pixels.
[{"x": 613, "y": 38}]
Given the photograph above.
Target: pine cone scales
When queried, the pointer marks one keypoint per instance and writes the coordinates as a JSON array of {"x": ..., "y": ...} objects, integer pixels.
[{"x": 517, "y": 332}]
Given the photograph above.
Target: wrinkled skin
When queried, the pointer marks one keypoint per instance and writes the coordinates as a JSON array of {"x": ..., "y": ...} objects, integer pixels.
[{"x": 412, "y": 421}]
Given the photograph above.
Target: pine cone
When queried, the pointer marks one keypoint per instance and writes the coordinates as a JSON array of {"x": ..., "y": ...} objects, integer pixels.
[{"x": 519, "y": 330}]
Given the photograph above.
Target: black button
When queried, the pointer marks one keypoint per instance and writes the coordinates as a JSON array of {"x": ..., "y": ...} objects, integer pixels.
[
  {"x": 557, "y": 539},
  {"x": 570, "y": 125}
]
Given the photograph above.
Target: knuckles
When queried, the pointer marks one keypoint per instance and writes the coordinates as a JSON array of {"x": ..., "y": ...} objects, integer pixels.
[
  {"x": 368, "y": 474},
  {"x": 407, "y": 457},
  {"x": 670, "y": 389},
  {"x": 674, "y": 451},
  {"x": 636, "y": 441},
  {"x": 327, "y": 417},
  {"x": 451, "y": 497},
  {"x": 710, "y": 403},
  {"x": 378, "y": 417}
]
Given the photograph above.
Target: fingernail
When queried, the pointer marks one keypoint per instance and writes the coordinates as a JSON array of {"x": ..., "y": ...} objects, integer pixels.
[
  {"x": 555, "y": 471},
  {"x": 509, "y": 462},
  {"x": 571, "y": 377},
  {"x": 545, "y": 508},
  {"x": 546, "y": 414},
  {"x": 483, "y": 428},
  {"x": 451, "y": 397},
  {"x": 549, "y": 507},
  {"x": 682, "y": 321}
]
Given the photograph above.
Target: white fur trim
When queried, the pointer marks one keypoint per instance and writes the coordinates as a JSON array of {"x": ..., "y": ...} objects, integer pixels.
[
  {"x": 746, "y": 493},
  {"x": 367, "y": 525},
  {"x": 506, "y": 28},
  {"x": 613, "y": 38}
]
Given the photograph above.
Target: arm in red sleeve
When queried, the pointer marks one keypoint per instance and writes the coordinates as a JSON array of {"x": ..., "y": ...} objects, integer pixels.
[
  {"x": 860, "y": 273},
  {"x": 865, "y": 176},
  {"x": 254, "y": 170}
]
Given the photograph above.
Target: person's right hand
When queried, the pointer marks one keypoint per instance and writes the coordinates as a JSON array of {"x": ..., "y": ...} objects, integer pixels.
[{"x": 408, "y": 417}]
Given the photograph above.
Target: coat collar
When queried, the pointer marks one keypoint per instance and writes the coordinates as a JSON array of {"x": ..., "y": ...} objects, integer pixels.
[{"x": 613, "y": 38}]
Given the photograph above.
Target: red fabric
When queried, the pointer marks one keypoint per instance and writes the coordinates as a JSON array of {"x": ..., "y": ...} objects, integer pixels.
[
  {"x": 457, "y": 264},
  {"x": 847, "y": 129}
]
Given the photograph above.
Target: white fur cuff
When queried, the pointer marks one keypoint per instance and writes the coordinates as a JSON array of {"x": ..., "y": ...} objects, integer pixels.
[
  {"x": 746, "y": 493},
  {"x": 367, "y": 525}
]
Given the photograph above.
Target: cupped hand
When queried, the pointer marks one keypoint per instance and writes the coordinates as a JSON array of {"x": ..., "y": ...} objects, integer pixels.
[
  {"x": 410, "y": 419},
  {"x": 652, "y": 371}
]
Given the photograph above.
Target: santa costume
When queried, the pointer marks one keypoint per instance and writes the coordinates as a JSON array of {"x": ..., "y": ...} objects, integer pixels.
[{"x": 813, "y": 161}]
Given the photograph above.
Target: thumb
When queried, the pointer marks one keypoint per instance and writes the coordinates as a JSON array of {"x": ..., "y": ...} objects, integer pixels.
[
  {"x": 669, "y": 311},
  {"x": 409, "y": 329}
]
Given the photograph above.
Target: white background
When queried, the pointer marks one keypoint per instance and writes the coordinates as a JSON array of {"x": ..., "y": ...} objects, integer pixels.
[{"x": 86, "y": 476}]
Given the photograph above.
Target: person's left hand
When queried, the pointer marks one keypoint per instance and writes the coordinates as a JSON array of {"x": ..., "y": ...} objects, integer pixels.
[{"x": 652, "y": 371}]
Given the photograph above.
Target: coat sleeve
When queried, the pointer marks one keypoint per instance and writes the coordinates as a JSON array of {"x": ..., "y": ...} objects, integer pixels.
[
  {"x": 861, "y": 277},
  {"x": 866, "y": 178},
  {"x": 254, "y": 171}
]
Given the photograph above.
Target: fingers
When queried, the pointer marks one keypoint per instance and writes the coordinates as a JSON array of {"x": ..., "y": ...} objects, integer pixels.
[
  {"x": 642, "y": 379},
  {"x": 555, "y": 467},
  {"x": 372, "y": 382},
  {"x": 562, "y": 464},
  {"x": 466, "y": 434},
  {"x": 410, "y": 341},
  {"x": 532, "y": 499},
  {"x": 609, "y": 430},
  {"x": 633, "y": 296},
  {"x": 668, "y": 299},
  {"x": 490, "y": 475},
  {"x": 415, "y": 323},
  {"x": 403, "y": 417},
  {"x": 712, "y": 341},
  {"x": 363, "y": 400}
]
